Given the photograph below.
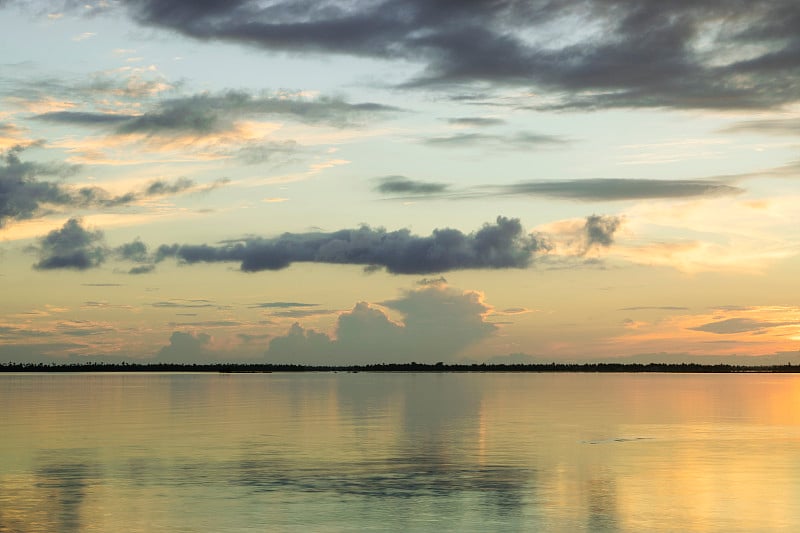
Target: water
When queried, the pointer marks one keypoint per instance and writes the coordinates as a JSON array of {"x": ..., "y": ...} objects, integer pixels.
[{"x": 399, "y": 452}]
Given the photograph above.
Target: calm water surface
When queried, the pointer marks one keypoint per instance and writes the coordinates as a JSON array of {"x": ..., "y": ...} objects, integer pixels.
[{"x": 399, "y": 452}]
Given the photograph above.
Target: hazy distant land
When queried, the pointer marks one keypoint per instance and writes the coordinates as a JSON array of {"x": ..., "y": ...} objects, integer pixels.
[{"x": 400, "y": 367}]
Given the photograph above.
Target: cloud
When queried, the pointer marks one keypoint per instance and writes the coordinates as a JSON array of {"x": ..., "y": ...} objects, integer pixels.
[
  {"x": 522, "y": 140},
  {"x": 161, "y": 187},
  {"x": 478, "y": 122},
  {"x": 137, "y": 252},
  {"x": 600, "y": 230},
  {"x": 500, "y": 245},
  {"x": 83, "y": 118},
  {"x": 404, "y": 185},
  {"x": 209, "y": 324},
  {"x": 38, "y": 352},
  {"x": 578, "y": 238},
  {"x": 71, "y": 247},
  {"x": 183, "y": 304},
  {"x": 424, "y": 282},
  {"x": 258, "y": 152},
  {"x": 282, "y": 305},
  {"x": 12, "y": 135},
  {"x": 121, "y": 90},
  {"x": 612, "y": 189},
  {"x": 302, "y": 313},
  {"x": 21, "y": 192},
  {"x": 585, "y": 54},
  {"x": 438, "y": 323},
  {"x": 23, "y": 195},
  {"x": 739, "y": 325},
  {"x": 133, "y": 251},
  {"x": 187, "y": 348},
  {"x": 783, "y": 126},
  {"x": 514, "y": 311},
  {"x": 104, "y": 305},
  {"x": 211, "y": 113},
  {"x": 581, "y": 190},
  {"x": 142, "y": 269}
]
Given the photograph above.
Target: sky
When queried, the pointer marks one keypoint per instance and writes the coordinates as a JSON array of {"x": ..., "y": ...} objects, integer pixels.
[{"x": 368, "y": 181}]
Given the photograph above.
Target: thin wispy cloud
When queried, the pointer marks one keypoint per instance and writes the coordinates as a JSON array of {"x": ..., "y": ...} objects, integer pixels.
[
  {"x": 282, "y": 305},
  {"x": 208, "y": 113},
  {"x": 517, "y": 141},
  {"x": 476, "y": 122},
  {"x": 580, "y": 190},
  {"x": 612, "y": 189}
]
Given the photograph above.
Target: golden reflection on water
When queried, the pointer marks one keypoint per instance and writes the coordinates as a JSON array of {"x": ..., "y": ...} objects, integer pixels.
[{"x": 468, "y": 452}]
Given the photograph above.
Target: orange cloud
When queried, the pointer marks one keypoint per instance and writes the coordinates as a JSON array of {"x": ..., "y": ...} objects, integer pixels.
[{"x": 757, "y": 330}]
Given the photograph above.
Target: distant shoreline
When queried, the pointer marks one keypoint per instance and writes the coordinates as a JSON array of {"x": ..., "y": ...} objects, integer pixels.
[{"x": 244, "y": 368}]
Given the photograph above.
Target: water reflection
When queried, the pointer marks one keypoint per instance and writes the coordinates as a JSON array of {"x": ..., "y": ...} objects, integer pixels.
[
  {"x": 434, "y": 453},
  {"x": 53, "y": 496},
  {"x": 411, "y": 452},
  {"x": 399, "y": 477},
  {"x": 601, "y": 491},
  {"x": 64, "y": 482}
]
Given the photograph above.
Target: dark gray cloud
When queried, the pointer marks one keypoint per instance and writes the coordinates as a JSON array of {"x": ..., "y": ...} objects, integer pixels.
[
  {"x": 407, "y": 186},
  {"x": 83, "y": 118},
  {"x": 142, "y": 269},
  {"x": 478, "y": 122},
  {"x": 500, "y": 245},
  {"x": 133, "y": 251},
  {"x": 612, "y": 189},
  {"x": 161, "y": 187},
  {"x": 438, "y": 323},
  {"x": 739, "y": 325},
  {"x": 24, "y": 195},
  {"x": 71, "y": 247},
  {"x": 424, "y": 282},
  {"x": 600, "y": 230},
  {"x": 582, "y": 53},
  {"x": 207, "y": 113},
  {"x": 521, "y": 140},
  {"x": 137, "y": 252},
  {"x": 582, "y": 190}
]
